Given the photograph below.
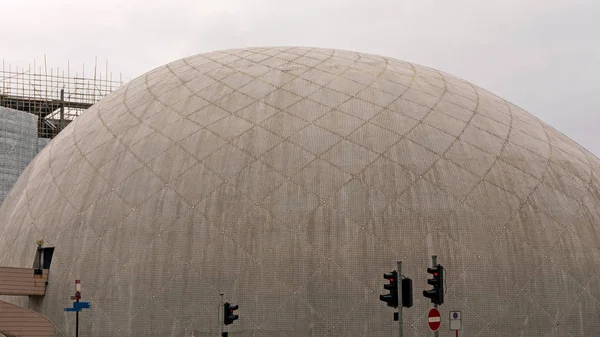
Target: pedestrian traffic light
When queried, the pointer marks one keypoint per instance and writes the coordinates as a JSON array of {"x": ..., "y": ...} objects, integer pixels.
[
  {"x": 392, "y": 298},
  {"x": 407, "y": 296},
  {"x": 436, "y": 295},
  {"x": 228, "y": 315}
]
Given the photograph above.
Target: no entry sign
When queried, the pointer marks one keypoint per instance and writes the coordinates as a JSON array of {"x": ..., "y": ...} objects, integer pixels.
[{"x": 434, "y": 319}]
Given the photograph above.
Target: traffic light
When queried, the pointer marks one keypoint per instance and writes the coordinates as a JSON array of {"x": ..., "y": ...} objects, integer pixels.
[
  {"x": 392, "y": 298},
  {"x": 407, "y": 296},
  {"x": 437, "y": 281},
  {"x": 228, "y": 315}
]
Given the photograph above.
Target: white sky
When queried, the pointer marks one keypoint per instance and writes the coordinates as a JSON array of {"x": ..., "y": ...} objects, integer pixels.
[{"x": 543, "y": 55}]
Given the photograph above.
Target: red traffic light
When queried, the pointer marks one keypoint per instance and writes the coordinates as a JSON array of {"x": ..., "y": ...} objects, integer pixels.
[
  {"x": 229, "y": 316},
  {"x": 392, "y": 298},
  {"x": 436, "y": 295}
]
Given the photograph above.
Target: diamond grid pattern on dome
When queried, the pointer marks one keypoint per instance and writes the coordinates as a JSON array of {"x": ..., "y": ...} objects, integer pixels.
[{"x": 281, "y": 176}]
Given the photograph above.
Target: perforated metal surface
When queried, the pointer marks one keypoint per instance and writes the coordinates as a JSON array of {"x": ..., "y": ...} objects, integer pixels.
[
  {"x": 291, "y": 179},
  {"x": 18, "y": 145}
]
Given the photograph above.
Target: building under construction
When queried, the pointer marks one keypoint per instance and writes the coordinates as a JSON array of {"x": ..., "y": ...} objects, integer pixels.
[
  {"x": 56, "y": 97},
  {"x": 36, "y": 103}
]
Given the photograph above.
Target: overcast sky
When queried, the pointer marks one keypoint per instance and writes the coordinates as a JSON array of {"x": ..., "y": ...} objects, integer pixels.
[{"x": 542, "y": 55}]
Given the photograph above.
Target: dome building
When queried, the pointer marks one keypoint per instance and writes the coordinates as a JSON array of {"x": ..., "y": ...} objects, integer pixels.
[{"x": 289, "y": 180}]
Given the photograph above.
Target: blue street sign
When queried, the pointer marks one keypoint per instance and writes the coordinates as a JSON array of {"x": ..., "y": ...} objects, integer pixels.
[
  {"x": 81, "y": 305},
  {"x": 78, "y": 306}
]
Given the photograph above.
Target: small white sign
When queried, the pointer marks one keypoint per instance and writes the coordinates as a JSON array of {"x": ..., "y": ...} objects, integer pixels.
[{"x": 455, "y": 320}]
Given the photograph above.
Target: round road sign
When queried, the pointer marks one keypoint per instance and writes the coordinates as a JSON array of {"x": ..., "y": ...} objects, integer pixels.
[{"x": 434, "y": 319}]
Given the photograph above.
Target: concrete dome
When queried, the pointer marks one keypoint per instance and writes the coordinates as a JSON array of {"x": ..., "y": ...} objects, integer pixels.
[{"x": 290, "y": 180}]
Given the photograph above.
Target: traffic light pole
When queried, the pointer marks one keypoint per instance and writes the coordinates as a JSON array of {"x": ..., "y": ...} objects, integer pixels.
[
  {"x": 400, "y": 302},
  {"x": 434, "y": 263},
  {"x": 77, "y": 298},
  {"x": 221, "y": 313}
]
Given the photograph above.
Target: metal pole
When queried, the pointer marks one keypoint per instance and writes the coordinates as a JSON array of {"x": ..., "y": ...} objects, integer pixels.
[
  {"x": 62, "y": 109},
  {"x": 433, "y": 263},
  {"x": 77, "y": 297},
  {"x": 221, "y": 312},
  {"x": 399, "y": 290}
]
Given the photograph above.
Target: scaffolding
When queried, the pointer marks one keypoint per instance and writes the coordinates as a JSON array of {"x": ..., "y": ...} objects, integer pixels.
[{"x": 55, "y": 96}]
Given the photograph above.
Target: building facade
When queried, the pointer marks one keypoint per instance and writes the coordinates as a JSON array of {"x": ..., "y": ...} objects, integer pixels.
[
  {"x": 289, "y": 180},
  {"x": 19, "y": 143}
]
